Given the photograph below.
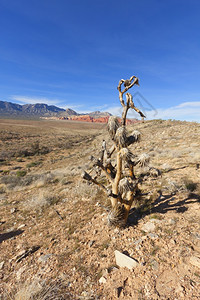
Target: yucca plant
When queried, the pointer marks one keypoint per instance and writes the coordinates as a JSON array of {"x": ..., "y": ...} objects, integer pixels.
[{"x": 122, "y": 182}]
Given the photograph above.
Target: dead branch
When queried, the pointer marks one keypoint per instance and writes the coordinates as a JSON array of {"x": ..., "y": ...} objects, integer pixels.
[{"x": 122, "y": 182}]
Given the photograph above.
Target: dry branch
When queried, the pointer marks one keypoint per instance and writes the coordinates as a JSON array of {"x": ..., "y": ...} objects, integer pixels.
[{"x": 121, "y": 187}]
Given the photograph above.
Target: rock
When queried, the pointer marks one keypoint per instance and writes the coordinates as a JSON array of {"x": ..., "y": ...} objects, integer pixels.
[
  {"x": 91, "y": 243},
  {"x": 171, "y": 221},
  {"x": 195, "y": 261},
  {"x": 154, "y": 264},
  {"x": 197, "y": 236},
  {"x": 24, "y": 253},
  {"x": 148, "y": 227},
  {"x": 123, "y": 260},
  {"x": 179, "y": 289},
  {"x": 138, "y": 247},
  {"x": 44, "y": 258},
  {"x": 13, "y": 210},
  {"x": 1, "y": 265},
  {"x": 21, "y": 226},
  {"x": 19, "y": 272},
  {"x": 140, "y": 241},
  {"x": 138, "y": 244},
  {"x": 153, "y": 236},
  {"x": 165, "y": 166},
  {"x": 102, "y": 280}
]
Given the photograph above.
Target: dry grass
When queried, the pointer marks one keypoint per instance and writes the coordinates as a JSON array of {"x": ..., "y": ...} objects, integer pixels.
[
  {"x": 40, "y": 200},
  {"x": 53, "y": 208},
  {"x": 39, "y": 290}
]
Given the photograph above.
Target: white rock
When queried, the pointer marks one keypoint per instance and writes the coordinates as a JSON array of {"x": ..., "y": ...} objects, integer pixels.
[
  {"x": 102, "y": 280},
  {"x": 195, "y": 261},
  {"x": 91, "y": 243},
  {"x": 21, "y": 226},
  {"x": 44, "y": 258},
  {"x": 153, "y": 236},
  {"x": 19, "y": 272},
  {"x": 123, "y": 260},
  {"x": 148, "y": 227},
  {"x": 1, "y": 265}
]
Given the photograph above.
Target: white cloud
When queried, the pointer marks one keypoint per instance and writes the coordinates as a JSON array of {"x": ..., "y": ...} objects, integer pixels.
[
  {"x": 186, "y": 111},
  {"x": 115, "y": 110},
  {"x": 34, "y": 100},
  {"x": 72, "y": 106},
  {"x": 190, "y": 104}
]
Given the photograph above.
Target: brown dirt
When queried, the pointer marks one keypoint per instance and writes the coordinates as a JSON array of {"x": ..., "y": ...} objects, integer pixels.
[{"x": 49, "y": 206}]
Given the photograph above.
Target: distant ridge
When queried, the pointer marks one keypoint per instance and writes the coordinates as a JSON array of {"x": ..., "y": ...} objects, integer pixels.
[
  {"x": 13, "y": 110},
  {"x": 40, "y": 110}
]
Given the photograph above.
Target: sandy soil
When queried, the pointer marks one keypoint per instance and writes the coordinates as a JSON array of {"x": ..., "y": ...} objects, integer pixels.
[{"x": 55, "y": 242}]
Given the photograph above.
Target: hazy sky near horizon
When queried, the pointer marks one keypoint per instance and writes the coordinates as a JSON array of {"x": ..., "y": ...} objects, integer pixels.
[{"x": 73, "y": 54}]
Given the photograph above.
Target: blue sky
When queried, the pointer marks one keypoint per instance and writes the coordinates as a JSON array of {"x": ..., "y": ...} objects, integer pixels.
[{"x": 73, "y": 54}]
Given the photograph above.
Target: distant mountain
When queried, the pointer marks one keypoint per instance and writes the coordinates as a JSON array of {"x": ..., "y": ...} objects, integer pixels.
[
  {"x": 13, "y": 110},
  {"x": 41, "y": 109},
  {"x": 99, "y": 114},
  {"x": 8, "y": 107},
  {"x": 68, "y": 112}
]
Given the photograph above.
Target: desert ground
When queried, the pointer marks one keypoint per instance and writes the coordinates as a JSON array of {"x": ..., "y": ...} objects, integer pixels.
[{"x": 55, "y": 242}]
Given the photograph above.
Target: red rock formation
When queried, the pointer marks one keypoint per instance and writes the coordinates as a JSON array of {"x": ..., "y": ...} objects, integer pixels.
[{"x": 87, "y": 118}]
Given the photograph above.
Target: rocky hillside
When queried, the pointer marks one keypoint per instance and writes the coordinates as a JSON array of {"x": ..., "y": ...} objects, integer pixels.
[
  {"x": 55, "y": 240},
  {"x": 12, "y": 110}
]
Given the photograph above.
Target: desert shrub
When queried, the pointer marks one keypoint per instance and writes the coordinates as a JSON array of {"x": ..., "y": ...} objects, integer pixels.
[
  {"x": 10, "y": 180},
  {"x": 38, "y": 290},
  {"x": 22, "y": 153},
  {"x": 6, "y": 172},
  {"x": 20, "y": 159},
  {"x": 44, "y": 150},
  {"x": 21, "y": 173},
  {"x": 41, "y": 200},
  {"x": 6, "y": 155},
  {"x": 190, "y": 185},
  {"x": 36, "y": 180},
  {"x": 33, "y": 164},
  {"x": 2, "y": 188}
]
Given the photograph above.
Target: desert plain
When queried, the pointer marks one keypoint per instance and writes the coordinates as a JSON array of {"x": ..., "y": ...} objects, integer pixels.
[{"x": 55, "y": 242}]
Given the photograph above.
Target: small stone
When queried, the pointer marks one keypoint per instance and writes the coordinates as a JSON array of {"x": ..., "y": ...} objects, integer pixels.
[
  {"x": 85, "y": 294},
  {"x": 153, "y": 236},
  {"x": 19, "y": 272},
  {"x": 123, "y": 260},
  {"x": 13, "y": 210},
  {"x": 179, "y": 289},
  {"x": 195, "y": 261},
  {"x": 105, "y": 272},
  {"x": 138, "y": 247},
  {"x": 154, "y": 264},
  {"x": 21, "y": 226},
  {"x": 1, "y": 265},
  {"x": 91, "y": 243},
  {"x": 44, "y": 258},
  {"x": 148, "y": 227},
  {"x": 197, "y": 236},
  {"x": 140, "y": 241},
  {"x": 102, "y": 280},
  {"x": 171, "y": 221}
]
